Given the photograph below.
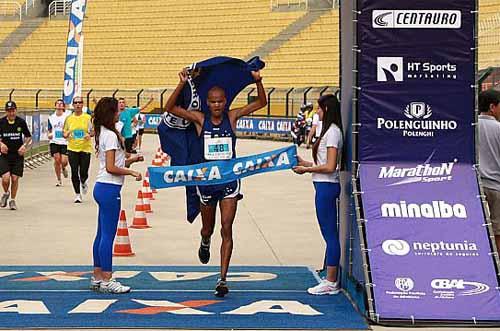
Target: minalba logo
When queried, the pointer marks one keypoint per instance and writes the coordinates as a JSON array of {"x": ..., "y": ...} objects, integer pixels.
[
  {"x": 404, "y": 284},
  {"x": 416, "y": 19},
  {"x": 433, "y": 210},
  {"x": 396, "y": 247}
]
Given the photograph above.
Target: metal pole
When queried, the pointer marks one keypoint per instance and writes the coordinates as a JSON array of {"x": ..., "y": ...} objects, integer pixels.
[
  {"x": 10, "y": 94},
  {"x": 88, "y": 96},
  {"x": 305, "y": 93},
  {"x": 139, "y": 98},
  {"x": 248, "y": 96},
  {"x": 36, "y": 98},
  {"x": 269, "y": 101},
  {"x": 161, "y": 98},
  {"x": 287, "y": 100}
]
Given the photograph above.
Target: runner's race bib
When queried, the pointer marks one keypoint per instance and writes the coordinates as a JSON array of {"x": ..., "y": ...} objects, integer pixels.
[
  {"x": 59, "y": 134},
  {"x": 78, "y": 134},
  {"x": 218, "y": 148}
]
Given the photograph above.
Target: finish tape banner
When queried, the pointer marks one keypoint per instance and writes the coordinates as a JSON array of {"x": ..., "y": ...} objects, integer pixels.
[
  {"x": 425, "y": 230},
  {"x": 220, "y": 172},
  {"x": 247, "y": 124},
  {"x": 74, "y": 52}
]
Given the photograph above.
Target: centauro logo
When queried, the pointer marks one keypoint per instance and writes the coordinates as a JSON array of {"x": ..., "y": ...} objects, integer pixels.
[
  {"x": 433, "y": 210},
  {"x": 416, "y": 19}
]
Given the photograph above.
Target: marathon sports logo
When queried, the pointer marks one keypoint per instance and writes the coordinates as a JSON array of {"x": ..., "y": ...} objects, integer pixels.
[
  {"x": 396, "y": 69},
  {"x": 418, "y": 123},
  {"x": 458, "y": 287},
  {"x": 440, "y": 248},
  {"x": 433, "y": 210},
  {"x": 422, "y": 173},
  {"x": 416, "y": 19},
  {"x": 404, "y": 284}
]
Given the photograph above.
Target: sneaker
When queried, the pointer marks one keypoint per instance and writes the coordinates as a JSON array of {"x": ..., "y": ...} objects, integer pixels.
[
  {"x": 59, "y": 183},
  {"x": 94, "y": 284},
  {"x": 325, "y": 287},
  {"x": 221, "y": 288},
  {"x": 78, "y": 198},
  {"x": 204, "y": 252},
  {"x": 85, "y": 188},
  {"x": 12, "y": 205},
  {"x": 5, "y": 199},
  {"x": 65, "y": 172},
  {"x": 113, "y": 286}
]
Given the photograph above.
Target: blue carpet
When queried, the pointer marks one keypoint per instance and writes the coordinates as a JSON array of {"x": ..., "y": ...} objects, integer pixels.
[{"x": 259, "y": 298}]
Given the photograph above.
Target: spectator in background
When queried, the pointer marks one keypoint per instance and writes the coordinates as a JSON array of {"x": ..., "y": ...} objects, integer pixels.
[
  {"x": 315, "y": 130},
  {"x": 489, "y": 155},
  {"x": 127, "y": 115},
  {"x": 141, "y": 120},
  {"x": 58, "y": 144},
  {"x": 12, "y": 148}
]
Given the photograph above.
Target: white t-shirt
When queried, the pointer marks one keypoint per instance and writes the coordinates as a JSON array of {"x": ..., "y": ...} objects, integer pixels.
[
  {"x": 332, "y": 138},
  {"x": 57, "y": 125},
  {"x": 109, "y": 141},
  {"x": 319, "y": 125}
]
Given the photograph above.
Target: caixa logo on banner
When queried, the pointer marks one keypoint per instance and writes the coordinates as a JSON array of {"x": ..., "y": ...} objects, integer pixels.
[
  {"x": 422, "y": 173},
  {"x": 399, "y": 247},
  {"x": 433, "y": 210},
  {"x": 445, "y": 288},
  {"x": 418, "y": 124},
  {"x": 416, "y": 19},
  {"x": 396, "y": 69}
]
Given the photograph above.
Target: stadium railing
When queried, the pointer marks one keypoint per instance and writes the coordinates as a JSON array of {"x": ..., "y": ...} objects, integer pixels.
[{"x": 11, "y": 8}]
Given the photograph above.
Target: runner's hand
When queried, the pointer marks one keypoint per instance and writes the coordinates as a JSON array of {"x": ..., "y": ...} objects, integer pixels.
[
  {"x": 87, "y": 136},
  {"x": 256, "y": 76},
  {"x": 21, "y": 150},
  {"x": 183, "y": 76},
  {"x": 4, "y": 149}
]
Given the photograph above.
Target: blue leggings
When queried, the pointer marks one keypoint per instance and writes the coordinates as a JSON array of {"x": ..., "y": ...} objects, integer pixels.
[
  {"x": 326, "y": 212},
  {"x": 108, "y": 198}
]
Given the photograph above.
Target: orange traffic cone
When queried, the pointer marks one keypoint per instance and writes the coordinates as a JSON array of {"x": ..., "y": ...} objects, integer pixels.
[
  {"x": 122, "y": 241},
  {"x": 140, "y": 220},
  {"x": 145, "y": 198},
  {"x": 157, "y": 161},
  {"x": 147, "y": 187}
]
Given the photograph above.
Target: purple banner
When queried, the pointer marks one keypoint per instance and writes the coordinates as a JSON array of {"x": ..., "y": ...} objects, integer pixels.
[
  {"x": 429, "y": 251},
  {"x": 428, "y": 246}
]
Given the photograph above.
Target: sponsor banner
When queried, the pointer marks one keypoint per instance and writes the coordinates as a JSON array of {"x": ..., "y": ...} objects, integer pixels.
[
  {"x": 74, "y": 51},
  {"x": 247, "y": 124},
  {"x": 425, "y": 226},
  {"x": 428, "y": 122},
  {"x": 44, "y": 124},
  {"x": 220, "y": 172}
]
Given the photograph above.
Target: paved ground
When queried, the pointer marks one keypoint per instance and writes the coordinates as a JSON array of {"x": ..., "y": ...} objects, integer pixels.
[{"x": 275, "y": 223}]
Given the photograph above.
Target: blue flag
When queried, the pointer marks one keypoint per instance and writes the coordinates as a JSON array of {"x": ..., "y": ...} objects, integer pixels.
[
  {"x": 221, "y": 172},
  {"x": 178, "y": 137}
]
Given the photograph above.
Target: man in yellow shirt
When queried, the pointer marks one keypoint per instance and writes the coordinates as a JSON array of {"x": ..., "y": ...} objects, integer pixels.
[{"x": 78, "y": 131}]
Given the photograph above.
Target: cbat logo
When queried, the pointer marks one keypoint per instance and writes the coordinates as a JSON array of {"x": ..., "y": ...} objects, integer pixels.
[
  {"x": 396, "y": 247},
  {"x": 419, "y": 124},
  {"x": 405, "y": 284},
  {"x": 440, "y": 248},
  {"x": 459, "y": 286},
  {"x": 397, "y": 69},
  {"x": 416, "y": 19},
  {"x": 433, "y": 210}
]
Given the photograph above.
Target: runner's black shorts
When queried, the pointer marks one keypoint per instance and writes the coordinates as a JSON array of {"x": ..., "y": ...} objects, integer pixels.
[
  {"x": 61, "y": 149},
  {"x": 141, "y": 132},
  {"x": 13, "y": 164}
]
